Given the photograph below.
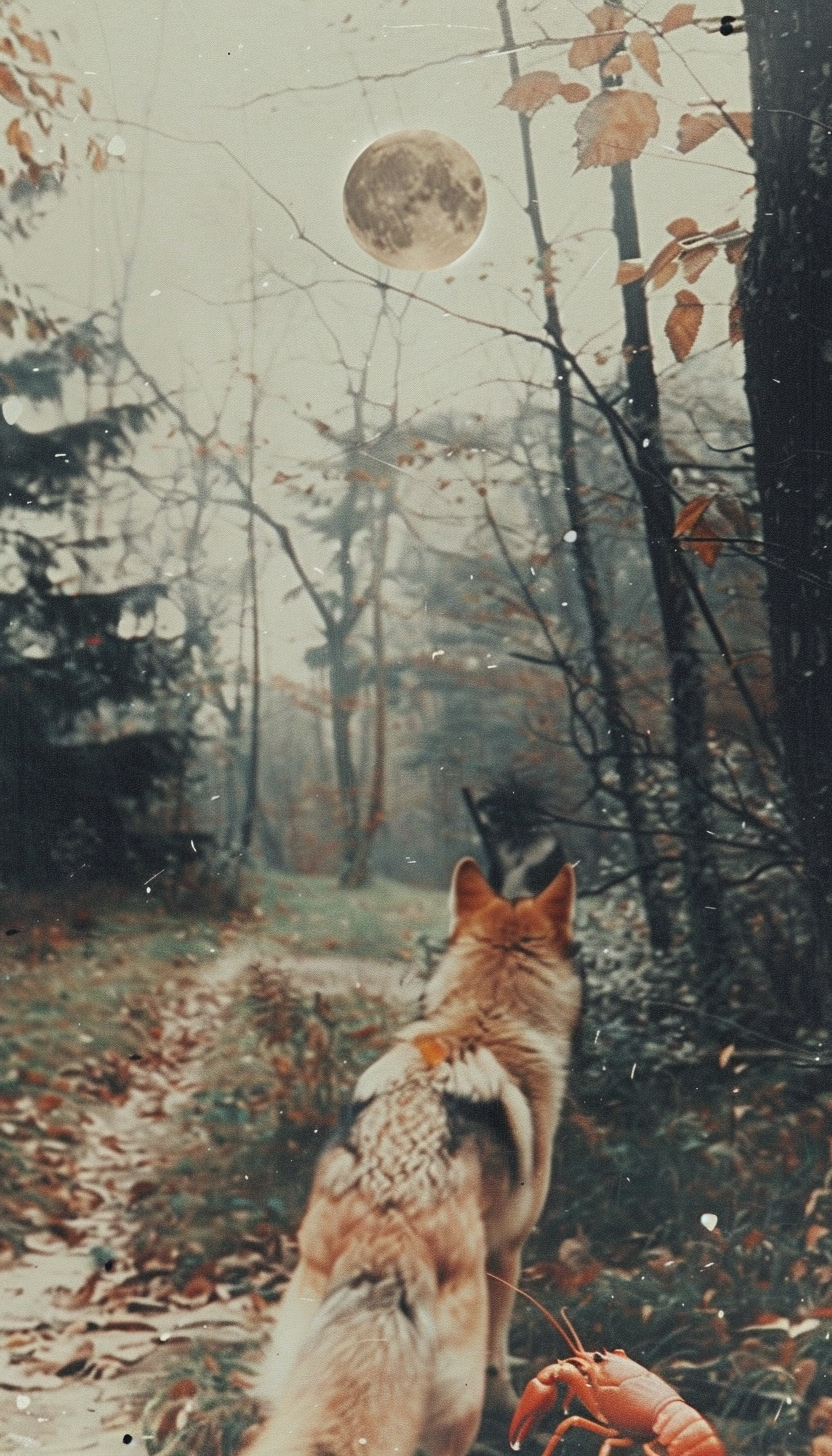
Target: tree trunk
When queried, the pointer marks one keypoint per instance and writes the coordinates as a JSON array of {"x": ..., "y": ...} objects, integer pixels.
[
  {"x": 623, "y": 738},
  {"x": 700, "y": 870},
  {"x": 786, "y": 301}
]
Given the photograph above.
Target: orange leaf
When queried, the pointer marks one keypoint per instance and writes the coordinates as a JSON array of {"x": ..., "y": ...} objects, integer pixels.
[
  {"x": 706, "y": 544},
  {"x": 735, "y": 333},
  {"x": 814, "y": 1233},
  {"x": 727, "y": 227},
  {"x": 36, "y": 47},
  {"x": 752, "y": 1240},
  {"x": 688, "y": 516},
  {"x": 693, "y": 130},
  {"x": 10, "y": 87},
  {"x": 628, "y": 271},
  {"x": 683, "y": 324},
  {"x": 663, "y": 266},
  {"x": 573, "y": 91},
  {"x": 17, "y": 137},
  {"x": 85, "y": 98},
  {"x": 683, "y": 227},
  {"x": 736, "y": 251},
  {"x": 696, "y": 260},
  {"x": 646, "y": 52},
  {"x": 607, "y": 17},
  {"x": 742, "y": 121},
  {"x": 677, "y": 16},
  {"x": 617, "y": 65},
  {"x": 535, "y": 89},
  {"x": 96, "y": 155},
  {"x": 615, "y": 127},
  {"x": 591, "y": 50}
]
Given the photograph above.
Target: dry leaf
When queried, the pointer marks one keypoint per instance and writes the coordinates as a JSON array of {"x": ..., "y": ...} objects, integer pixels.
[
  {"x": 617, "y": 65},
  {"x": 677, "y": 16},
  {"x": 35, "y": 46},
  {"x": 735, "y": 333},
  {"x": 10, "y": 87},
  {"x": 683, "y": 227},
  {"x": 646, "y": 52},
  {"x": 615, "y": 127},
  {"x": 628, "y": 271},
  {"x": 694, "y": 130},
  {"x": 18, "y": 138},
  {"x": 573, "y": 91},
  {"x": 85, "y": 98},
  {"x": 591, "y": 50},
  {"x": 684, "y": 323},
  {"x": 736, "y": 251},
  {"x": 607, "y": 17},
  {"x": 727, "y": 1051},
  {"x": 687, "y": 518},
  {"x": 663, "y": 265},
  {"x": 696, "y": 260},
  {"x": 742, "y": 121},
  {"x": 528, "y": 93},
  {"x": 814, "y": 1233}
]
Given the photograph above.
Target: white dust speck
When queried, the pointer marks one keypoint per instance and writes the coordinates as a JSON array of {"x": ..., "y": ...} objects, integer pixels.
[
  {"x": 709, "y": 1221},
  {"x": 570, "y": 536},
  {"x": 23, "y": 1402},
  {"x": 117, "y": 146}
]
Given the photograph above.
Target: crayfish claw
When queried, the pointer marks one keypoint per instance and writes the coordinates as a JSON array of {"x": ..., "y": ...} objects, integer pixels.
[{"x": 538, "y": 1397}]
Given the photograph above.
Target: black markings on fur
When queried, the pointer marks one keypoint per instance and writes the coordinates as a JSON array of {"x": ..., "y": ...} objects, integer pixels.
[
  {"x": 347, "y": 1118},
  {"x": 467, "y": 1118}
]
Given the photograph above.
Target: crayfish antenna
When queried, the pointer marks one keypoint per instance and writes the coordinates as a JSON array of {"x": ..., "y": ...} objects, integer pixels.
[
  {"x": 575, "y": 1340},
  {"x": 571, "y": 1338}
]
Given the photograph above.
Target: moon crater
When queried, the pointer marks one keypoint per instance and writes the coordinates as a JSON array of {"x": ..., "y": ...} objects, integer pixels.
[{"x": 415, "y": 200}]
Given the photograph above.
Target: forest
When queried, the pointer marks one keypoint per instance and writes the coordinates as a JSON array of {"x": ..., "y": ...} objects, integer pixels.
[{"x": 322, "y": 566}]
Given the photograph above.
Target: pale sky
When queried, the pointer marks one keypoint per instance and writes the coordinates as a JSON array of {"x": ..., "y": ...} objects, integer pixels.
[{"x": 264, "y": 78}]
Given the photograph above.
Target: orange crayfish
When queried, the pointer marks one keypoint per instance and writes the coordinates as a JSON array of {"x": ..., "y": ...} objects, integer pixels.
[{"x": 628, "y": 1405}]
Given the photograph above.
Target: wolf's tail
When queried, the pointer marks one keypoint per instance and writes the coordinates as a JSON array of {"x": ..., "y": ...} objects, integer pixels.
[{"x": 359, "y": 1384}]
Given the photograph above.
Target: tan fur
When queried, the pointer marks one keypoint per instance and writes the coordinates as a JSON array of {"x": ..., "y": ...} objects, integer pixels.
[{"x": 387, "y": 1328}]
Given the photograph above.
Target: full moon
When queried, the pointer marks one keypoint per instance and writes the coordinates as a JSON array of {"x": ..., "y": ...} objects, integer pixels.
[{"x": 415, "y": 200}]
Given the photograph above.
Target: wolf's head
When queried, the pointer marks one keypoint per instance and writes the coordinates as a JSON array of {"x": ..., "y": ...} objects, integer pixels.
[{"x": 509, "y": 957}]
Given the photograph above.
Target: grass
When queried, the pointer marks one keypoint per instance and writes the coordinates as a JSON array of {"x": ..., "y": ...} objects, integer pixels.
[
  {"x": 656, "y": 1131},
  {"x": 385, "y": 921}
]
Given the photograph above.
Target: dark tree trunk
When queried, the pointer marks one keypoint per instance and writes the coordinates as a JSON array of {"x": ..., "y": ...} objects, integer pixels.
[
  {"x": 624, "y": 741},
  {"x": 700, "y": 870},
  {"x": 786, "y": 301}
]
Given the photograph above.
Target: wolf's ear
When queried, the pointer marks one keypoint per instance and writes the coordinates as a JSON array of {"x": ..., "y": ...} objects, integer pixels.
[
  {"x": 557, "y": 902},
  {"x": 470, "y": 891}
]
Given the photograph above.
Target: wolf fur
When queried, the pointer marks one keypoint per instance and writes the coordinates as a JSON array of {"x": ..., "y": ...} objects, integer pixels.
[{"x": 389, "y": 1326}]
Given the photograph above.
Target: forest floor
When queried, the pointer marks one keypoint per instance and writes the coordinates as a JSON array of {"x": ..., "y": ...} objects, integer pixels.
[{"x": 165, "y": 1085}]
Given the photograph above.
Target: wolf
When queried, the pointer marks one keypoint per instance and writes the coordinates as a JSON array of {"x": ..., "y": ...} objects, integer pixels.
[{"x": 390, "y": 1331}]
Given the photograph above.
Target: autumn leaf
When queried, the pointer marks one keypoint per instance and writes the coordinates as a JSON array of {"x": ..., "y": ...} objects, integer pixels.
[
  {"x": 707, "y": 544},
  {"x": 528, "y": 93},
  {"x": 736, "y": 251},
  {"x": 591, "y": 50},
  {"x": 85, "y": 98},
  {"x": 646, "y": 52},
  {"x": 8, "y": 314},
  {"x": 687, "y": 518},
  {"x": 742, "y": 121},
  {"x": 617, "y": 65},
  {"x": 35, "y": 46},
  {"x": 696, "y": 260},
  {"x": 615, "y": 127},
  {"x": 628, "y": 272},
  {"x": 694, "y": 130},
  {"x": 10, "y": 87},
  {"x": 683, "y": 324},
  {"x": 676, "y": 17},
  {"x": 683, "y": 227},
  {"x": 96, "y": 155},
  {"x": 735, "y": 333},
  {"x": 663, "y": 266},
  {"x": 18, "y": 138}
]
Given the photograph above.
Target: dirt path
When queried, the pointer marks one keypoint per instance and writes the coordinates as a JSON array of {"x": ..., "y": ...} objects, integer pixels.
[{"x": 76, "y": 1345}]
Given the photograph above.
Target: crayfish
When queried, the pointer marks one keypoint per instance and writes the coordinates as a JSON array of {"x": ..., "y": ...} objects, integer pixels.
[{"x": 628, "y": 1405}]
